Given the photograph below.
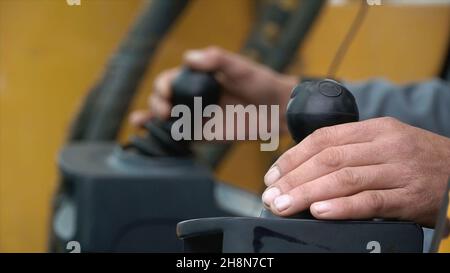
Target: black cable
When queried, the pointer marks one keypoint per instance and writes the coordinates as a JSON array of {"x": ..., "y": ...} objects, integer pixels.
[
  {"x": 106, "y": 105},
  {"x": 445, "y": 73},
  {"x": 294, "y": 34},
  {"x": 345, "y": 44},
  {"x": 293, "y": 25}
]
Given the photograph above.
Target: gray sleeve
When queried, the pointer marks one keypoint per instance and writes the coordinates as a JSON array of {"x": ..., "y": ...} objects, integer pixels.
[{"x": 425, "y": 104}]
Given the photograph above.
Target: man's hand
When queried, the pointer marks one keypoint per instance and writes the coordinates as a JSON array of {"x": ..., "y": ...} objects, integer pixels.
[
  {"x": 244, "y": 82},
  {"x": 375, "y": 168}
]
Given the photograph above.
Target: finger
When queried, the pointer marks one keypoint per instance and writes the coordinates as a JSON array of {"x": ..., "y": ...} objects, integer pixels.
[
  {"x": 162, "y": 85},
  {"x": 356, "y": 132},
  {"x": 363, "y": 205},
  {"x": 160, "y": 107},
  {"x": 213, "y": 59},
  {"x": 329, "y": 160},
  {"x": 139, "y": 117},
  {"x": 344, "y": 182}
]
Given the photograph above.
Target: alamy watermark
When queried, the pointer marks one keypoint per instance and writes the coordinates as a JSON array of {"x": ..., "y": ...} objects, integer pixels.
[
  {"x": 373, "y": 2},
  {"x": 73, "y": 247},
  {"x": 235, "y": 122},
  {"x": 73, "y": 2}
]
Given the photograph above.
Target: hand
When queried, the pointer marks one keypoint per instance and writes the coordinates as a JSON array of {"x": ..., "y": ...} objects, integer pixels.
[
  {"x": 378, "y": 168},
  {"x": 244, "y": 82}
]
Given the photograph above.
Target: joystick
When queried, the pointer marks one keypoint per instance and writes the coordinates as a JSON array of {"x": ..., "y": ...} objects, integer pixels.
[
  {"x": 313, "y": 105},
  {"x": 187, "y": 85},
  {"x": 191, "y": 83},
  {"x": 111, "y": 196}
]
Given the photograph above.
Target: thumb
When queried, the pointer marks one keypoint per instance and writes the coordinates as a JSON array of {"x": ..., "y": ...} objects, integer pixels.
[{"x": 209, "y": 59}]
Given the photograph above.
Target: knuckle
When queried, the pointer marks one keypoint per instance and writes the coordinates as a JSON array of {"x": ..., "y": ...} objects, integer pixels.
[
  {"x": 331, "y": 157},
  {"x": 322, "y": 136},
  {"x": 389, "y": 122},
  {"x": 349, "y": 207},
  {"x": 287, "y": 183},
  {"x": 287, "y": 161},
  {"x": 306, "y": 195},
  {"x": 376, "y": 201},
  {"x": 346, "y": 178},
  {"x": 214, "y": 51}
]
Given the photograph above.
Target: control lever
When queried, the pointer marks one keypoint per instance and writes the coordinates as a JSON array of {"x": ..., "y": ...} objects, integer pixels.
[
  {"x": 111, "y": 197},
  {"x": 187, "y": 85},
  {"x": 313, "y": 105}
]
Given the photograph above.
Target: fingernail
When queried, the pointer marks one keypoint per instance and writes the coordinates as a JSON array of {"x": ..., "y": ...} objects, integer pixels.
[
  {"x": 272, "y": 175},
  {"x": 283, "y": 202},
  {"x": 195, "y": 56},
  {"x": 269, "y": 195},
  {"x": 321, "y": 207}
]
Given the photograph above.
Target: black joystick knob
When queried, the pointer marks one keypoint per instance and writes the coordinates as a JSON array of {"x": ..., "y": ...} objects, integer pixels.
[
  {"x": 318, "y": 104},
  {"x": 191, "y": 83},
  {"x": 313, "y": 105},
  {"x": 187, "y": 85}
]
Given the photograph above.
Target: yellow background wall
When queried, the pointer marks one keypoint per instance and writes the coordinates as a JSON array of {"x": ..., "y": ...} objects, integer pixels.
[
  {"x": 445, "y": 244},
  {"x": 52, "y": 53}
]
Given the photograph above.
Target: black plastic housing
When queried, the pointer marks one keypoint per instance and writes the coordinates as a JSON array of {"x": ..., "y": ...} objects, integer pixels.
[
  {"x": 260, "y": 235},
  {"x": 116, "y": 200}
]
